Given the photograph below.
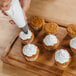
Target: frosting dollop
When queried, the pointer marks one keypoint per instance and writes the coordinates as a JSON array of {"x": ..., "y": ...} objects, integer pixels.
[
  {"x": 62, "y": 56},
  {"x": 24, "y": 36},
  {"x": 30, "y": 49},
  {"x": 50, "y": 40}
]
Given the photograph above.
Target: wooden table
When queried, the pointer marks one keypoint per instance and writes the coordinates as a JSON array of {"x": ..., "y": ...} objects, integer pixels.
[{"x": 61, "y": 11}]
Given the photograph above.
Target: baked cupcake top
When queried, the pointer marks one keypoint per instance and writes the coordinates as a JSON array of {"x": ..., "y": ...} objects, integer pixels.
[
  {"x": 51, "y": 28},
  {"x": 71, "y": 29},
  {"x": 36, "y": 21},
  {"x": 24, "y": 36},
  {"x": 30, "y": 50},
  {"x": 50, "y": 40},
  {"x": 73, "y": 43},
  {"x": 62, "y": 56}
]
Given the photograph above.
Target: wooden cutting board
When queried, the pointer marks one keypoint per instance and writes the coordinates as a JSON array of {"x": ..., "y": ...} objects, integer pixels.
[{"x": 45, "y": 64}]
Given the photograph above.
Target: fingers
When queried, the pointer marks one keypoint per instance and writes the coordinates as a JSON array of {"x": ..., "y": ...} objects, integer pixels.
[
  {"x": 5, "y": 8},
  {"x": 5, "y": 4},
  {"x": 25, "y": 4}
]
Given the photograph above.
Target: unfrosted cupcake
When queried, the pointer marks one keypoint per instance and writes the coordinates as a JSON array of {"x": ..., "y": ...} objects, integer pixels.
[
  {"x": 50, "y": 42},
  {"x": 36, "y": 22},
  {"x": 73, "y": 44},
  {"x": 51, "y": 28},
  {"x": 30, "y": 52},
  {"x": 62, "y": 57},
  {"x": 71, "y": 29},
  {"x": 26, "y": 38}
]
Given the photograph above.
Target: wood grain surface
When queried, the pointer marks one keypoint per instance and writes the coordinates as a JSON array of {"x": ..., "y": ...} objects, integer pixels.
[
  {"x": 44, "y": 65},
  {"x": 62, "y": 12}
]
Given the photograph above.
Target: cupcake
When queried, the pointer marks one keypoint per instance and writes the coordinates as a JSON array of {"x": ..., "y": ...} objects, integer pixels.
[
  {"x": 71, "y": 29},
  {"x": 51, "y": 28},
  {"x": 30, "y": 52},
  {"x": 26, "y": 38},
  {"x": 73, "y": 44},
  {"x": 50, "y": 42},
  {"x": 62, "y": 57},
  {"x": 36, "y": 22}
]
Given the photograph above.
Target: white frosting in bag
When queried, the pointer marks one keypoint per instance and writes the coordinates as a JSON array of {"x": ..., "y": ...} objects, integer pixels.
[
  {"x": 62, "y": 56},
  {"x": 24, "y": 36},
  {"x": 16, "y": 13},
  {"x": 29, "y": 49},
  {"x": 50, "y": 40},
  {"x": 73, "y": 43}
]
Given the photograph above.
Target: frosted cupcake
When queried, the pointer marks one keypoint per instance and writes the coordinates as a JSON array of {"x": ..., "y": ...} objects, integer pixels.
[
  {"x": 50, "y": 42},
  {"x": 51, "y": 28},
  {"x": 26, "y": 38},
  {"x": 71, "y": 29},
  {"x": 36, "y": 22},
  {"x": 73, "y": 44},
  {"x": 62, "y": 57},
  {"x": 30, "y": 52}
]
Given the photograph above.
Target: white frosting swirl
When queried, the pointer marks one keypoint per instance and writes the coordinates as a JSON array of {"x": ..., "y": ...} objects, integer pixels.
[
  {"x": 50, "y": 40},
  {"x": 29, "y": 49},
  {"x": 73, "y": 43},
  {"x": 62, "y": 56},
  {"x": 24, "y": 36}
]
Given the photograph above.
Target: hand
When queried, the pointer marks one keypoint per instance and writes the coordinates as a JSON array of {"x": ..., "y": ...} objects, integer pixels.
[
  {"x": 5, "y": 5},
  {"x": 25, "y": 4}
]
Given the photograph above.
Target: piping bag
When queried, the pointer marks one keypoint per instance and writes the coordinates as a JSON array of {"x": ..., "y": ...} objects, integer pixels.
[{"x": 16, "y": 13}]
